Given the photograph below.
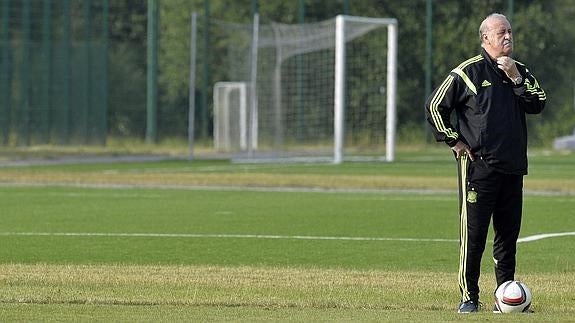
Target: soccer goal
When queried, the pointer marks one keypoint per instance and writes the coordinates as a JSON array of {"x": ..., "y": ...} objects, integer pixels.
[{"x": 323, "y": 91}]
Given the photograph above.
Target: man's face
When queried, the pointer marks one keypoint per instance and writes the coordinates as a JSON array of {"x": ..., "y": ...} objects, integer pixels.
[{"x": 498, "y": 40}]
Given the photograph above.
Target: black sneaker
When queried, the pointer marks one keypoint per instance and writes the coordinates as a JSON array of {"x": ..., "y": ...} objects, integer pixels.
[{"x": 469, "y": 307}]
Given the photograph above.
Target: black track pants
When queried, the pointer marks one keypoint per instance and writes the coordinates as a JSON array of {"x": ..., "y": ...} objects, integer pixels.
[{"x": 483, "y": 194}]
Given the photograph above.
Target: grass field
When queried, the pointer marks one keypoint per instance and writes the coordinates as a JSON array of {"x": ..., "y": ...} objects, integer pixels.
[{"x": 213, "y": 240}]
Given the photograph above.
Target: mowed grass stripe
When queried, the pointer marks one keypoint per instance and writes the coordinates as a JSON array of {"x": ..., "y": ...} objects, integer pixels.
[
  {"x": 246, "y": 213},
  {"x": 57, "y": 209}
]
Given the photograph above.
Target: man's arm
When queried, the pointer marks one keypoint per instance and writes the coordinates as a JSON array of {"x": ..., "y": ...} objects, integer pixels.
[
  {"x": 438, "y": 108},
  {"x": 531, "y": 95}
]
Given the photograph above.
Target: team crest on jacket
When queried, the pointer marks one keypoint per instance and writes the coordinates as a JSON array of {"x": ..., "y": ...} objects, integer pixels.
[{"x": 472, "y": 196}]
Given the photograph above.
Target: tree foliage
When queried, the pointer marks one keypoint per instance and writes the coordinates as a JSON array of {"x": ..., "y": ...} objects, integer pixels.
[{"x": 542, "y": 31}]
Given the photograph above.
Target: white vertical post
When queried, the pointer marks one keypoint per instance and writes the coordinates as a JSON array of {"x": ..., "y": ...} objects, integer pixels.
[
  {"x": 243, "y": 117},
  {"x": 225, "y": 111},
  {"x": 339, "y": 91},
  {"x": 192, "y": 87},
  {"x": 391, "y": 91},
  {"x": 253, "y": 142},
  {"x": 217, "y": 117},
  {"x": 277, "y": 91}
]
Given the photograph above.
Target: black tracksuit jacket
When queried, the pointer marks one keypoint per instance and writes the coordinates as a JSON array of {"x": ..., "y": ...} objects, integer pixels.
[{"x": 490, "y": 112}]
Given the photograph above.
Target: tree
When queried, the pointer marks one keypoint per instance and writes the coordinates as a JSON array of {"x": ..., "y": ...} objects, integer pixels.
[{"x": 542, "y": 31}]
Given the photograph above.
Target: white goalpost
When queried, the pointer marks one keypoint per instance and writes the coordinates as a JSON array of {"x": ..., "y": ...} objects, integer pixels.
[
  {"x": 339, "y": 92},
  {"x": 323, "y": 91}
]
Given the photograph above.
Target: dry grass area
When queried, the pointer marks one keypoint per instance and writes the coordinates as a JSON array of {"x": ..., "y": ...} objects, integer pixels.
[
  {"x": 255, "y": 287},
  {"x": 229, "y": 179},
  {"x": 421, "y": 161},
  {"x": 179, "y": 180},
  {"x": 217, "y": 286}
]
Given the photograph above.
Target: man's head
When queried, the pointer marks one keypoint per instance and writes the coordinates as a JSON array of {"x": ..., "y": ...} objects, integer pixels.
[{"x": 495, "y": 35}]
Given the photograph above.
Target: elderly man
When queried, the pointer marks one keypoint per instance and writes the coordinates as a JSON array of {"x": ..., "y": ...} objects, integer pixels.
[{"x": 490, "y": 94}]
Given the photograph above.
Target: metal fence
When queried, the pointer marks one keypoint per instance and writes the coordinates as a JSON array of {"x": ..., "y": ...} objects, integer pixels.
[
  {"x": 76, "y": 71},
  {"x": 53, "y": 72}
]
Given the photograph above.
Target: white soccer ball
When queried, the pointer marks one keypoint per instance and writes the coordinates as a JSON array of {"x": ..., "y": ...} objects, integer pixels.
[{"x": 513, "y": 297}]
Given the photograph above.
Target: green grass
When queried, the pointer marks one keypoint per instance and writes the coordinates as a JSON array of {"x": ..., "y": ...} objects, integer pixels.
[
  {"x": 258, "y": 248},
  {"x": 220, "y": 212},
  {"x": 207, "y": 212}
]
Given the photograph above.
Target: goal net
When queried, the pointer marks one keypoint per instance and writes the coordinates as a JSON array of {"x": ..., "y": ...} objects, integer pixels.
[{"x": 318, "y": 91}]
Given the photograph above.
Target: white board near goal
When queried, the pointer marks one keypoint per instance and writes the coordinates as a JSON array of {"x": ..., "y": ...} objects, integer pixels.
[
  {"x": 231, "y": 116},
  {"x": 319, "y": 91}
]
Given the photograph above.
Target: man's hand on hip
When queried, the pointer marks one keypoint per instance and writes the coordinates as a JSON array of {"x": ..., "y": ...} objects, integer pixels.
[{"x": 461, "y": 149}]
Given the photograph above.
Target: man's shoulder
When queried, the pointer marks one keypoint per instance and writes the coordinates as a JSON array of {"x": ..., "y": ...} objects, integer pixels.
[
  {"x": 471, "y": 61},
  {"x": 469, "y": 64}
]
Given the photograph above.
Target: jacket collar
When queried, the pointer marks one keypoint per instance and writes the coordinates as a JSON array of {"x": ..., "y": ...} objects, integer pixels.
[
  {"x": 488, "y": 58},
  {"x": 493, "y": 64}
]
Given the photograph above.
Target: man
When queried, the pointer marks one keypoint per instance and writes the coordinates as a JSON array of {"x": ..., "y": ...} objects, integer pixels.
[{"x": 490, "y": 95}]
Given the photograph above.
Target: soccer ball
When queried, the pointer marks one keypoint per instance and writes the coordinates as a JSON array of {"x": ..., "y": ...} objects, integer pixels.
[{"x": 513, "y": 297}]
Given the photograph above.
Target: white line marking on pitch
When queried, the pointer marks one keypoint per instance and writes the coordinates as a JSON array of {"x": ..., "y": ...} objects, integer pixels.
[
  {"x": 259, "y": 236},
  {"x": 194, "y": 235},
  {"x": 545, "y": 236}
]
